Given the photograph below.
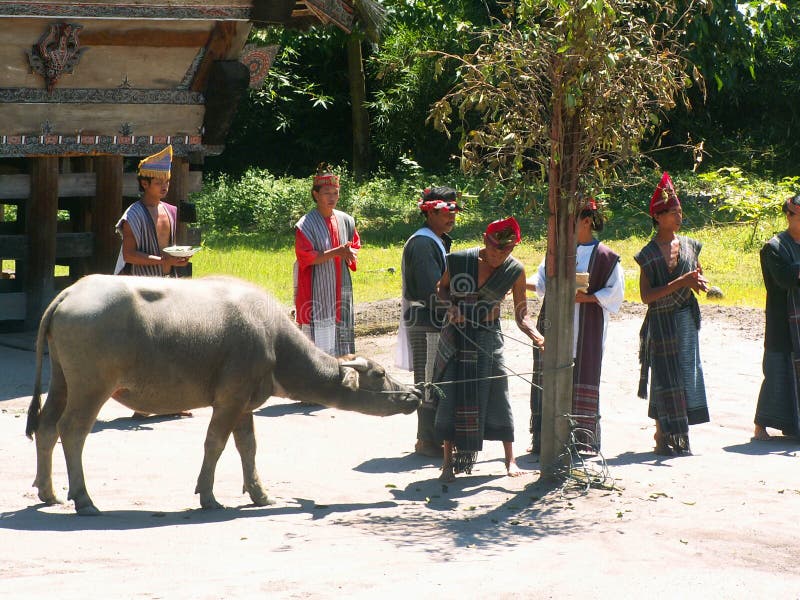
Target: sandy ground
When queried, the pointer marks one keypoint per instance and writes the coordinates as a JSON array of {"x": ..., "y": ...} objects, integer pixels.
[{"x": 358, "y": 516}]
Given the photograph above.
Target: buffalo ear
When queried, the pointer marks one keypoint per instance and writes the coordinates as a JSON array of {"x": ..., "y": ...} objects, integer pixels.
[
  {"x": 358, "y": 362},
  {"x": 349, "y": 378}
]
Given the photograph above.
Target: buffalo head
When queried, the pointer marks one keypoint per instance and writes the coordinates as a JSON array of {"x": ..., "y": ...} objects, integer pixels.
[{"x": 367, "y": 388}]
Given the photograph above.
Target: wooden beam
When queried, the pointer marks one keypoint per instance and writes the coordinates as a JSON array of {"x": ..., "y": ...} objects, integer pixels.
[
  {"x": 106, "y": 211},
  {"x": 71, "y": 185},
  {"x": 41, "y": 219},
  {"x": 156, "y": 38},
  {"x": 272, "y": 11},
  {"x": 217, "y": 48},
  {"x": 67, "y": 245},
  {"x": 102, "y": 119}
]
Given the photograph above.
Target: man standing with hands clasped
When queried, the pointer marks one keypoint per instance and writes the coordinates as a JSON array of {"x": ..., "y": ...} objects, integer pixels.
[
  {"x": 326, "y": 246},
  {"x": 423, "y": 264}
]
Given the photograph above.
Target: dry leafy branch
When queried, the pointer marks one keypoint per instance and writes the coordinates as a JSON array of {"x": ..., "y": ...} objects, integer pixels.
[{"x": 569, "y": 88}]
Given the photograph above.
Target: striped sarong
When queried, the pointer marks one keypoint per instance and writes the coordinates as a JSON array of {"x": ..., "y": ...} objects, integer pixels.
[
  {"x": 334, "y": 336},
  {"x": 588, "y": 358},
  {"x": 668, "y": 346},
  {"x": 474, "y": 406},
  {"x": 424, "y": 340},
  {"x": 779, "y": 398}
]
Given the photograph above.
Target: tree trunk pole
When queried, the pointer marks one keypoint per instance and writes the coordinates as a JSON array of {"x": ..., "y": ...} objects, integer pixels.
[
  {"x": 358, "y": 99},
  {"x": 560, "y": 304}
]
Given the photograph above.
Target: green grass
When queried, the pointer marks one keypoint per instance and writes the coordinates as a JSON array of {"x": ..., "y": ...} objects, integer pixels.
[{"x": 729, "y": 261}]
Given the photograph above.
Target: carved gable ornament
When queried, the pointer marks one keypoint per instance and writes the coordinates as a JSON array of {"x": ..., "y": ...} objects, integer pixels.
[
  {"x": 57, "y": 52},
  {"x": 258, "y": 60}
]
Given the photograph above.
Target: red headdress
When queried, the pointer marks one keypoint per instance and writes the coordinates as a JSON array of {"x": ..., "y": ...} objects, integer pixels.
[
  {"x": 503, "y": 232},
  {"x": 438, "y": 198},
  {"x": 664, "y": 197},
  {"x": 325, "y": 176}
]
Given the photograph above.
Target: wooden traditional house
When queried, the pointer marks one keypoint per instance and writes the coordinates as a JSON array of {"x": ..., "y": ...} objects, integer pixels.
[{"x": 86, "y": 89}]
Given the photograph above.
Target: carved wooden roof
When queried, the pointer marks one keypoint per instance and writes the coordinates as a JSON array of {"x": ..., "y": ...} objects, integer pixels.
[{"x": 96, "y": 77}]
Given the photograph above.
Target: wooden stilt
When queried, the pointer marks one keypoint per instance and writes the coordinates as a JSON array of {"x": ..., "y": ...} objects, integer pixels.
[
  {"x": 41, "y": 216},
  {"x": 106, "y": 211},
  {"x": 179, "y": 192}
]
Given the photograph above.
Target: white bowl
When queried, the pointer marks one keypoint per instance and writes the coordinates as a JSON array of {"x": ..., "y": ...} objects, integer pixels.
[{"x": 181, "y": 251}]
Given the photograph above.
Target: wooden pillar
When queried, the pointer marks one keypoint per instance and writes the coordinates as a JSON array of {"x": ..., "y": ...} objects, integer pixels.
[
  {"x": 106, "y": 211},
  {"x": 41, "y": 217},
  {"x": 179, "y": 192}
]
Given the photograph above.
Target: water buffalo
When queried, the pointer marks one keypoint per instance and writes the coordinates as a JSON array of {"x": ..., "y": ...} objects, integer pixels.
[{"x": 166, "y": 345}]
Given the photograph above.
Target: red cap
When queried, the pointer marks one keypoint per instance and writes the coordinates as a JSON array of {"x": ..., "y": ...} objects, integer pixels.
[
  {"x": 503, "y": 232},
  {"x": 664, "y": 197},
  {"x": 326, "y": 179}
]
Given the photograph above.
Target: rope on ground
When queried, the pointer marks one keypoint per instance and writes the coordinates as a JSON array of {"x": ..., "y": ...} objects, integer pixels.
[{"x": 581, "y": 466}]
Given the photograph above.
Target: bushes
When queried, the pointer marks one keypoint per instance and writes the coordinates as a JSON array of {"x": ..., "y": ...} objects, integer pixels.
[
  {"x": 260, "y": 203},
  {"x": 256, "y": 203},
  {"x": 385, "y": 206}
]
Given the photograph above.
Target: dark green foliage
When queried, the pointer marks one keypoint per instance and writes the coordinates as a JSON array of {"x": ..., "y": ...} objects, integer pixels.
[
  {"x": 749, "y": 55},
  {"x": 385, "y": 207},
  {"x": 408, "y": 80},
  {"x": 301, "y": 115}
]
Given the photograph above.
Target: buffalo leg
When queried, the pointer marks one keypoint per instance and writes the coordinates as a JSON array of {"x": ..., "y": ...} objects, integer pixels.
[
  {"x": 219, "y": 430},
  {"x": 47, "y": 434},
  {"x": 73, "y": 427},
  {"x": 244, "y": 436}
]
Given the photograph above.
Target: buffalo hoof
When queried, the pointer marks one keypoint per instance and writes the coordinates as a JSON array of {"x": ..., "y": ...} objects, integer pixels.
[
  {"x": 50, "y": 499},
  {"x": 210, "y": 503},
  {"x": 90, "y": 510},
  {"x": 261, "y": 500}
]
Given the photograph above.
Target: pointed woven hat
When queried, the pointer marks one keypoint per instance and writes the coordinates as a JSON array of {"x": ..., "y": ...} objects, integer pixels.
[{"x": 158, "y": 165}]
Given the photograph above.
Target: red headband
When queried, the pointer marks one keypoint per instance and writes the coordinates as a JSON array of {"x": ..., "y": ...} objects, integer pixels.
[
  {"x": 427, "y": 205},
  {"x": 326, "y": 179},
  {"x": 664, "y": 197},
  {"x": 503, "y": 232}
]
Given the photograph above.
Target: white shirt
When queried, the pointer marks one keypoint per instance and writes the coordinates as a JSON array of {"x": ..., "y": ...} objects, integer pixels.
[{"x": 609, "y": 298}]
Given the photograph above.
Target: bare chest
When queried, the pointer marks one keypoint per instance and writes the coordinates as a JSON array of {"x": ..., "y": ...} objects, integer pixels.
[
  {"x": 163, "y": 224},
  {"x": 671, "y": 252}
]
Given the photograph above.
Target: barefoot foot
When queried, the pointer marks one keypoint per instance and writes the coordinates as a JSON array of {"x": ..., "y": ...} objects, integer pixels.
[
  {"x": 512, "y": 470},
  {"x": 760, "y": 434}
]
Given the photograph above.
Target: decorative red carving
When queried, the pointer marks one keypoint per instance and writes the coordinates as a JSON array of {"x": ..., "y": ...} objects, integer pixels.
[{"x": 57, "y": 52}]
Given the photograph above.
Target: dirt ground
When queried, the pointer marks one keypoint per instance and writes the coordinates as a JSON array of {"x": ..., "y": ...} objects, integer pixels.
[{"x": 357, "y": 515}]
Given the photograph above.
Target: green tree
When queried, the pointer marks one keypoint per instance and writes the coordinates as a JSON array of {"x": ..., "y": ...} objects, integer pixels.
[
  {"x": 299, "y": 116},
  {"x": 407, "y": 80},
  {"x": 565, "y": 91},
  {"x": 748, "y": 53}
]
